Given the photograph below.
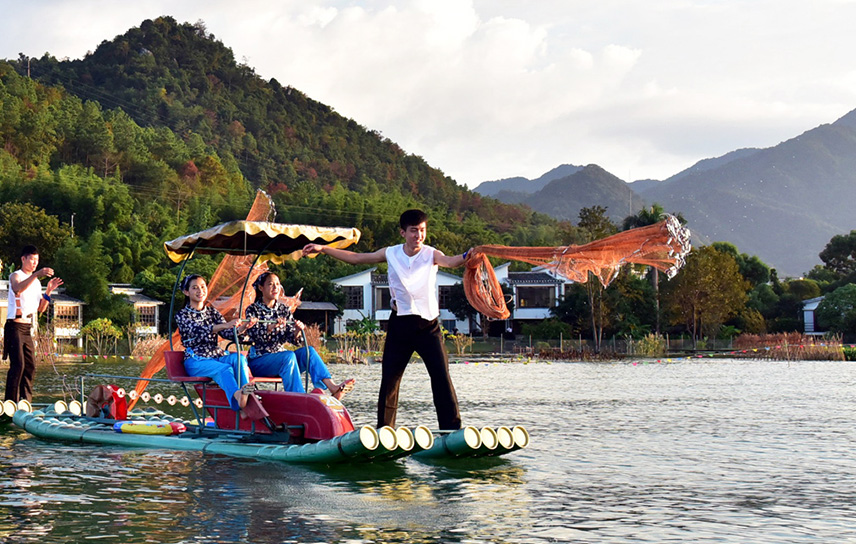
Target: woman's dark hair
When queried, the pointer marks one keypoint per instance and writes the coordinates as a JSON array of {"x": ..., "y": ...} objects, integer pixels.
[
  {"x": 185, "y": 285},
  {"x": 259, "y": 283}
]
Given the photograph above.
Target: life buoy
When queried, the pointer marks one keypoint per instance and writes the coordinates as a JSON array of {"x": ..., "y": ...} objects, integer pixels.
[{"x": 149, "y": 427}]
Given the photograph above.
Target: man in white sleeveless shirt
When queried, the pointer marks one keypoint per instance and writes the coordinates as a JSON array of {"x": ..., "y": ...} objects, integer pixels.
[
  {"x": 25, "y": 303},
  {"x": 413, "y": 324}
]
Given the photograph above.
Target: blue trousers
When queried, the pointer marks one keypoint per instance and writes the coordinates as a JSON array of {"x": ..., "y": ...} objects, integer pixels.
[
  {"x": 222, "y": 370},
  {"x": 288, "y": 365}
]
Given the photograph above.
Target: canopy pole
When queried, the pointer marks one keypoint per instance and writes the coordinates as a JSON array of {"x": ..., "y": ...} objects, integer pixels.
[{"x": 172, "y": 298}]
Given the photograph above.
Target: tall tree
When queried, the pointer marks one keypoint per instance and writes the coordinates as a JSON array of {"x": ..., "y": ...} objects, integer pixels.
[
  {"x": 645, "y": 217},
  {"x": 595, "y": 223},
  {"x": 837, "y": 310},
  {"x": 839, "y": 255},
  {"x": 708, "y": 291},
  {"x": 23, "y": 224}
]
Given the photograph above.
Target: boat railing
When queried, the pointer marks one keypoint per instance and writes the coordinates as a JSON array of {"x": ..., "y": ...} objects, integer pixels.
[{"x": 199, "y": 428}]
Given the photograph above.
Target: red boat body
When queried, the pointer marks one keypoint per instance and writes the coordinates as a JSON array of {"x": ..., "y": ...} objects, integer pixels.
[{"x": 308, "y": 416}]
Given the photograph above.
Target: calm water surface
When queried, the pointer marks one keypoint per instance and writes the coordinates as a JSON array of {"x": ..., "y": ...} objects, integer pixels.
[{"x": 694, "y": 451}]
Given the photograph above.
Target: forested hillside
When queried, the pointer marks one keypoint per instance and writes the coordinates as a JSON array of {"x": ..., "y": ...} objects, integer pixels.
[
  {"x": 160, "y": 132},
  {"x": 179, "y": 76},
  {"x": 591, "y": 186}
]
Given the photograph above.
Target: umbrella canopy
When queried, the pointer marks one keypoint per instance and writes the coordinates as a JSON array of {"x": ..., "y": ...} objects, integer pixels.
[{"x": 274, "y": 242}]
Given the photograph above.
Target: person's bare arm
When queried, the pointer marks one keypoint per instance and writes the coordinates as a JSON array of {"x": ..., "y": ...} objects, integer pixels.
[
  {"x": 446, "y": 261},
  {"x": 53, "y": 283},
  {"x": 20, "y": 285},
  {"x": 344, "y": 255}
]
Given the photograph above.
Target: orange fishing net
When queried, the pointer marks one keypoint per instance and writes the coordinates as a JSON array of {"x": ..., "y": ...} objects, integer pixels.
[
  {"x": 224, "y": 289},
  {"x": 663, "y": 246}
]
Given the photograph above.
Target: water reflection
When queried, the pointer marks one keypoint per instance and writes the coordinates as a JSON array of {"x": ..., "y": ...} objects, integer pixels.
[{"x": 701, "y": 451}]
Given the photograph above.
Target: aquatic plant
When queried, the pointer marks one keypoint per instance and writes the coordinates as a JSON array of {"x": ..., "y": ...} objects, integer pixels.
[
  {"x": 651, "y": 345},
  {"x": 789, "y": 346}
]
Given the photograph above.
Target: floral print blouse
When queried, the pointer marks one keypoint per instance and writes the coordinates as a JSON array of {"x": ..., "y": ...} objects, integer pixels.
[
  {"x": 196, "y": 330},
  {"x": 265, "y": 341}
]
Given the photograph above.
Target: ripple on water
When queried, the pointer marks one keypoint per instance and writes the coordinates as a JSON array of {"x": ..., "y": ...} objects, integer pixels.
[{"x": 712, "y": 451}]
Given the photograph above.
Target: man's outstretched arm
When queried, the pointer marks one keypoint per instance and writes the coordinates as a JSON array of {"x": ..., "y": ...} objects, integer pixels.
[
  {"x": 344, "y": 255},
  {"x": 449, "y": 261}
]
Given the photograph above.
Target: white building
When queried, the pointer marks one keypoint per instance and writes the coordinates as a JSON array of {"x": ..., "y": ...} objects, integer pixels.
[
  {"x": 809, "y": 324},
  {"x": 65, "y": 313},
  {"x": 146, "y": 315},
  {"x": 367, "y": 295},
  {"x": 534, "y": 293}
]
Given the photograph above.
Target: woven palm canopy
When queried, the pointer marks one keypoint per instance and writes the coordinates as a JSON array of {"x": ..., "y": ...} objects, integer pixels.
[{"x": 274, "y": 242}]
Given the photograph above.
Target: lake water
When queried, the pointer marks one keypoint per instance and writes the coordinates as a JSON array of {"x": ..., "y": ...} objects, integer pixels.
[{"x": 690, "y": 451}]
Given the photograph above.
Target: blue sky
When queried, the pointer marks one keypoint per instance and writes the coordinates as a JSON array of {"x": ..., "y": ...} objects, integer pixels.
[{"x": 488, "y": 89}]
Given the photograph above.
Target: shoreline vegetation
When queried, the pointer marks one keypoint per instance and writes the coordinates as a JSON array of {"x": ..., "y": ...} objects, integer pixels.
[{"x": 351, "y": 349}]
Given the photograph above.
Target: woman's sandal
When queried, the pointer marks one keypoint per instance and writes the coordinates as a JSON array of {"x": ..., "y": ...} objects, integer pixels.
[
  {"x": 248, "y": 389},
  {"x": 346, "y": 387}
]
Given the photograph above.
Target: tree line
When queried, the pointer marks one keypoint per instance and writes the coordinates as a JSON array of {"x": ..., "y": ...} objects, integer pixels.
[{"x": 160, "y": 132}]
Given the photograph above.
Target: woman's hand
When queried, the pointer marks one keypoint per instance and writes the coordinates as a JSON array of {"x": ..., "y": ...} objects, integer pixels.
[
  {"x": 246, "y": 324},
  {"x": 281, "y": 322}
]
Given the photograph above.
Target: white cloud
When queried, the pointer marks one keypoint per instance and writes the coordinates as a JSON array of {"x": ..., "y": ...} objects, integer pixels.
[{"x": 488, "y": 89}]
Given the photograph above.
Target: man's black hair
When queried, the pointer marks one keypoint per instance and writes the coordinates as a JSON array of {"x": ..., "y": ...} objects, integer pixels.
[
  {"x": 29, "y": 250},
  {"x": 412, "y": 218}
]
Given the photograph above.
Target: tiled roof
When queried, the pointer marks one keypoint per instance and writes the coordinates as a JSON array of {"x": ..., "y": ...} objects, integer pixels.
[
  {"x": 56, "y": 297},
  {"x": 137, "y": 298}
]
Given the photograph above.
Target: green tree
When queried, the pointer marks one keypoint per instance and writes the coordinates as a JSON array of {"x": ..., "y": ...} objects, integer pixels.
[
  {"x": 22, "y": 224},
  {"x": 548, "y": 329},
  {"x": 101, "y": 334},
  {"x": 85, "y": 269},
  {"x": 751, "y": 267},
  {"x": 839, "y": 255},
  {"x": 837, "y": 311},
  {"x": 644, "y": 218},
  {"x": 708, "y": 291},
  {"x": 595, "y": 223}
]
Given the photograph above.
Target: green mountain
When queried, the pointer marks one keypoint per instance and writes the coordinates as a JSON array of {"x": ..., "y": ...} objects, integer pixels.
[
  {"x": 591, "y": 186},
  {"x": 523, "y": 185},
  {"x": 178, "y": 76},
  {"x": 159, "y": 132},
  {"x": 782, "y": 203}
]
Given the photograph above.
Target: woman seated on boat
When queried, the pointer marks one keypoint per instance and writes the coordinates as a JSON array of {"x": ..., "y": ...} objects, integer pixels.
[
  {"x": 199, "y": 324},
  {"x": 276, "y": 326}
]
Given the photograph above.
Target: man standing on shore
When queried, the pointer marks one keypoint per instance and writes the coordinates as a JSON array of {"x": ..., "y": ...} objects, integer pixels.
[
  {"x": 413, "y": 323},
  {"x": 25, "y": 303}
]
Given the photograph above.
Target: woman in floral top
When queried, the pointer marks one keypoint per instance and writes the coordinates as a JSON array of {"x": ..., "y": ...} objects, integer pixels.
[
  {"x": 199, "y": 325},
  {"x": 269, "y": 357}
]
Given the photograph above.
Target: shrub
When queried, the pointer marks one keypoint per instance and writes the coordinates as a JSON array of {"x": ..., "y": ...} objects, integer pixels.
[
  {"x": 147, "y": 346},
  {"x": 652, "y": 345}
]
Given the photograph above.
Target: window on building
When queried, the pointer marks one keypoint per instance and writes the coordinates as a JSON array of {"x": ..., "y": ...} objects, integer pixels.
[
  {"x": 445, "y": 296},
  {"x": 353, "y": 297},
  {"x": 382, "y": 299},
  {"x": 147, "y": 315},
  {"x": 66, "y": 317},
  {"x": 535, "y": 297}
]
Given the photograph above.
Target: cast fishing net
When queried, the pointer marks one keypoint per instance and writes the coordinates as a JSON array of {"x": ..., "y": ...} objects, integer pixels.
[{"x": 663, "y": 246}]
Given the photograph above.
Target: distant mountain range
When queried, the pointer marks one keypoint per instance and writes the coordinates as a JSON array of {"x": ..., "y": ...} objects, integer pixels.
[
  {"x": 563, "y": 191},
  {"x": 782, "y": 203}
]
